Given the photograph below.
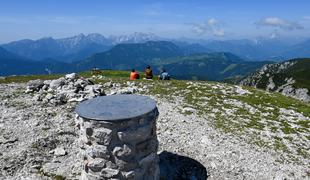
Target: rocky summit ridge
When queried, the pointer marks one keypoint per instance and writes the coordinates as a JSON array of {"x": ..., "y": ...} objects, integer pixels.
[
  {"x": 235, "y": 132},
  {"x": 291, "y": 78}
]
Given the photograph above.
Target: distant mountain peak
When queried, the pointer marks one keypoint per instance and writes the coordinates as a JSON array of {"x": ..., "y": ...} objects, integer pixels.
[
  {"x": 94, "y": 35},
  {"x": 136, "y": 37},
  {"x": 80, "y": 35}
]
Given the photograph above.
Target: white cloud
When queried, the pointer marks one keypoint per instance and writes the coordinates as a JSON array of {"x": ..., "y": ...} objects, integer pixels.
[
  {"x": 213, "y": 21},
  {"x": 279, "y": 23},
  {"x": 211, "y": 26}
]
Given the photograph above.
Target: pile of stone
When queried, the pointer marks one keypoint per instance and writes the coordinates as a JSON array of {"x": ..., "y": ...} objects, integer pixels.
[
  {"x": 115, "y": 88},
  {"x": 70, "y": 88}
]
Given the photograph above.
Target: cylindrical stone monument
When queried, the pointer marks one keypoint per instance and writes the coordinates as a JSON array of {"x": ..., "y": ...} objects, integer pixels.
[{"x": 118, "y": 137}]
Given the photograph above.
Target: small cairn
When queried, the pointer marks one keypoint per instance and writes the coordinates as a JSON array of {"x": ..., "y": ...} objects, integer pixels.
[{"x": 70, "y": 88}]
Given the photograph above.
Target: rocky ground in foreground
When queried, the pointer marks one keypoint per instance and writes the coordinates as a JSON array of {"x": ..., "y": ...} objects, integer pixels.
[{"x": 235, "y": 132}]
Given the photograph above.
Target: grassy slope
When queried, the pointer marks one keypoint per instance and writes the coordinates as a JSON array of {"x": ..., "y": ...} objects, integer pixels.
[
  {"x": 212, "y": 66},
  {"x": 21, "y": 79},
  {"x": 259, "y": 114},
  {"x": 301, "y": 73}
]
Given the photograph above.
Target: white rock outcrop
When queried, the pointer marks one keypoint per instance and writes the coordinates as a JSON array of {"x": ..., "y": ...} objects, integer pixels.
[
  {"x": 268, "y": 78},
  {"x": 70, "y": 88}
]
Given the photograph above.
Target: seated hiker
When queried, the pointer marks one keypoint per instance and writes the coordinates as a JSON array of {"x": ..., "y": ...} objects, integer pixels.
[
  {"x": 164, "y": 75},
  {"x": 148, "y": 72},
  {"x": 134, "y": 75}
]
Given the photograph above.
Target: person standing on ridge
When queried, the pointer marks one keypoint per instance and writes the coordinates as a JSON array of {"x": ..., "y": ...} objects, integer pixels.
[
  {"x": 148, "y": 72},
  {"x": 134, "y": 75}
]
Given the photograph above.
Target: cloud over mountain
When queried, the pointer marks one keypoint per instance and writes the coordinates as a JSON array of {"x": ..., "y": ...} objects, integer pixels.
[
  {"x": 279, "y": 23},
  {"x": 211, "y": 26}
]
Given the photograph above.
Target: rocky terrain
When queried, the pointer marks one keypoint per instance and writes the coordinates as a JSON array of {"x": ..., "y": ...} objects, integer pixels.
[
  {"x": 291, "y": 78},
  {"x": 234, "y": 132}
]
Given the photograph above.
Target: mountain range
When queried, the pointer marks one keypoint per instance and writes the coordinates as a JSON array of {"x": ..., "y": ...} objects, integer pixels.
[
  {"x": 179, "y": 61},
  {"x": 128, "y": 56},
  {"x": 82, "y": 46},
  {"x": 202, "y": 60},
  {"x": 65, "y": 50},
  {"x": 300, "y": 50},
  {"x": 11, "y": 64},
  {"x": 73, "y": 48}
]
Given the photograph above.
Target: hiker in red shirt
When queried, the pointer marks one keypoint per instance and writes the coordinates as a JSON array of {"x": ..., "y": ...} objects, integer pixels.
[{"x": 134, "y": 75}]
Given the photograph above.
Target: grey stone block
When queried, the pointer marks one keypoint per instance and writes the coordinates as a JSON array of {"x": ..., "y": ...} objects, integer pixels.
[
  {"x": 96, "y": 165},
  {"x": 102, "y": 136},
  {"x": 123, "y": 151},
  {"x": 110, "y": 173},
  {"x": 98, "y": 151}
]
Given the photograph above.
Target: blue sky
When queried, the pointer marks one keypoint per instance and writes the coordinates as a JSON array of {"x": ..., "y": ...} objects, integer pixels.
[{"x": 206, "y": 19}]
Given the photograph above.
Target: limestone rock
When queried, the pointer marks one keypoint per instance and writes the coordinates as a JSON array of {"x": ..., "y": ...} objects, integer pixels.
[
  {"x": 98, "y": 151},
  {"x": 70, "y": 88},
  {"x": 60, "y": 151},
  {"x": 124, "y": 151},
  {"x": 34, "y": 85},
  {"x": 188, "y": 109},
  {"x": 96, "y": 165},
  {"x": 103, "y": 136},
  {"x": 57, "y": 83},
  {"x": 109, "y": 173},
  {"x": 72, "y": 76},
  {"x": 239, "y": 90}
]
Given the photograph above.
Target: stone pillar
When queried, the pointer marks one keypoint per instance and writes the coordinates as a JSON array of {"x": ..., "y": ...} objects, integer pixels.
[{"x": 118, "y": 137}]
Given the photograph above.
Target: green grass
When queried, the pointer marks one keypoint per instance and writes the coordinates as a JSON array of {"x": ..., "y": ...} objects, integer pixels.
[
  {"x": 107, "y": 73},
  {"x": 22, "y": 79},
  {"x": 242, "y": 122},
  {"x": 262, "y": 98}
]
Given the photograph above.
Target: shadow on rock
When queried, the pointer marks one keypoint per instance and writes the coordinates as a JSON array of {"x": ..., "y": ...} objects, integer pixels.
[{"x": 176, "y": 167}]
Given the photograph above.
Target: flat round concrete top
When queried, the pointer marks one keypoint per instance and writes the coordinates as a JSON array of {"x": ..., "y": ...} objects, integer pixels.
[{"x": 115, "y": 107}]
